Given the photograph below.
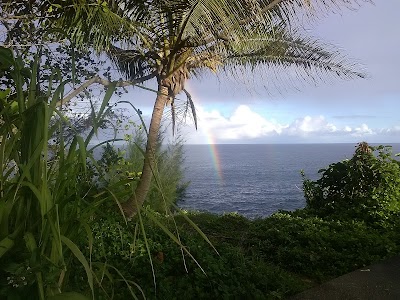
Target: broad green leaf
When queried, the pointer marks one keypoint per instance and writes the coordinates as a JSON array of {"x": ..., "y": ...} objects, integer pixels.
[
  {"x": 5, "y": 208},
  {"x": 34, "y": 189},
  {"x": 106, "y": 100},
  {"x": 72, "y": 148},
  {"x": 6, "y": 58},
  {"x": 30, "y": 242},
  {"x": 26, "y": 72},
  {"x": 32, "y": 93},
  {"x": 4, "y": 94},
  {"x": 90, "y": 240},
  {"x": 5, "y": 245}
]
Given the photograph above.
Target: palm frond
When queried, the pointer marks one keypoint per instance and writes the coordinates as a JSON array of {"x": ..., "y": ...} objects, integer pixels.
[
  {"x": 212, "y": 21},
  {"x": 181, "y": 110},
  {"x": 190, "y": 103},
  {"x": 286, "y": 56},
  {"x": 132, "y": 64},
  {"x": 94, "y": 23}
]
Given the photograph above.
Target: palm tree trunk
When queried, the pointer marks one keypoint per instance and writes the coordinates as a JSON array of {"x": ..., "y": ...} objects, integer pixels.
[{"x": 132, "y": 206}]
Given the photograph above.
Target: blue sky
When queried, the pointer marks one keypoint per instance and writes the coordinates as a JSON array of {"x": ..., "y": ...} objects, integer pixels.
[{"x": 333, "y": 112}]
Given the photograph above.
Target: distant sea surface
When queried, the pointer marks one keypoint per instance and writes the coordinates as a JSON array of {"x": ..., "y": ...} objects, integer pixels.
[{"x": 255, "y": 180}]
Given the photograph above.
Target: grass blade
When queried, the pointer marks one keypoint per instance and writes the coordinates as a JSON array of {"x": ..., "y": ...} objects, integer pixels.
[
  {"x": 78, "y": 254},
  {"x": 174, "y": 238},
  {"x": 195, "y": 227},
  {"x": 82, "y": 151}
]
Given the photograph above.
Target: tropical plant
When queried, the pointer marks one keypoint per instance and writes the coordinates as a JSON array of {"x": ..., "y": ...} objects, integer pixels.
[
  {"x": 365, "y": 187},
  {"x": 34, "y": 191},
  {"x": 46, "y": 197},
  {"x": 270, "y": 258},
  {"x": 172, "y": 40}
]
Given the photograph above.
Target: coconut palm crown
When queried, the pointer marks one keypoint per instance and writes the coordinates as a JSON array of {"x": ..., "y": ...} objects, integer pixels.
[{"x": 172, "y": 40}]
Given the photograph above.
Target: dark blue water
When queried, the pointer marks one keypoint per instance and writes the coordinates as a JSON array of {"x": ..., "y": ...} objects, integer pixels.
[{"x": 257, "y": 180}]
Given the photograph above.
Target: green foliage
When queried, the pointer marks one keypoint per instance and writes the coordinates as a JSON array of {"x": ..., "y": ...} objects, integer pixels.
[
  {"x": 322, "y": 249},
  {"x": 47, "y": 198},
  {"x": 269, "y": 258},
  {"x": 365, "y": 187},
  {"x": 232, "y": 274},
  {"x": 120, "y": 170},
  {"x": 168, "y": 185},
  {"x": 37, "y": 210}
]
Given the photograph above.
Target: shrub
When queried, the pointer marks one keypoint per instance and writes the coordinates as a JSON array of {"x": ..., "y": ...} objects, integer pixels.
[
  {"x": 319, "y": 248},
  {"x": 365, "y": 187}
]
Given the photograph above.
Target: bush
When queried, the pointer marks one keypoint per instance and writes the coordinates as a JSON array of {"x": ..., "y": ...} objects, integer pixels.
[
  {"x": 365, "y": 187},
  {"x": 320, "y": 249}
]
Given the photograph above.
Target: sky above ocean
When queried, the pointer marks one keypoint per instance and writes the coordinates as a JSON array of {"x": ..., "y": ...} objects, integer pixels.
[{"x": 336, "y": 111}]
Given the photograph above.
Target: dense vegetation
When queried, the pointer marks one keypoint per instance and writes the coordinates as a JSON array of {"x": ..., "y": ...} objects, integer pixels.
[{"x": 269, "y": 258}]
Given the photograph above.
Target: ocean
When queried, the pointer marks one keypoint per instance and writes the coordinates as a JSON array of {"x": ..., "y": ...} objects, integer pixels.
[{"x": 254, "y": 180}]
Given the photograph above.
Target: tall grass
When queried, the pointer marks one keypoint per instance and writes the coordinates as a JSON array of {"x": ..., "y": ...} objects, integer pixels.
[{"x": 47, "y": 198}]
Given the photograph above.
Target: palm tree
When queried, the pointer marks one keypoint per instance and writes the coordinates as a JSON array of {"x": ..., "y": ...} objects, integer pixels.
[{"x": 172, "y": 40}]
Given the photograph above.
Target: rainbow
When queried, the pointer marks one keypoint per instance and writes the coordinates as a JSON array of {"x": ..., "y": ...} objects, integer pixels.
[
  {"x": 211, "y": 144},
  {"x": 214, "y": 155}
]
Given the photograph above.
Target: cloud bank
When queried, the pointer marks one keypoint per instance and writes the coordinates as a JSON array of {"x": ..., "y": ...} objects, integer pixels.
[{"x": 244, "y": 125}]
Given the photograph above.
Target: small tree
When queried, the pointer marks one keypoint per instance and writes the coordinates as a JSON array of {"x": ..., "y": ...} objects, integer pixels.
[{"x": 365, "y": 187}]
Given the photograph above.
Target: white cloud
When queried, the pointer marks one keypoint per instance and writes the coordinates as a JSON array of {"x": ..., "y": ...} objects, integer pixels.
[
  {"x": 395, "y": 130},
  {"x": 245, "y": 125},
  {"x": 362, "y": 130},
  {"x": 311, "y": 125},
  {"x": 242, "y": 124}
]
